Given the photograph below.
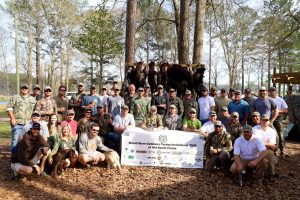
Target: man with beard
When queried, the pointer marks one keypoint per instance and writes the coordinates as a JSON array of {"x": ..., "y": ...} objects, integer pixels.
[
  {"x": 217, "y": 147},
  {"x": 76, "y": 100},
  {"x": 29, "y": 151}
]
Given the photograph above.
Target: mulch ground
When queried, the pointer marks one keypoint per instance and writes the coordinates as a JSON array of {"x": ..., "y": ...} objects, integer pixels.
[{"x": 148, "y": 182}]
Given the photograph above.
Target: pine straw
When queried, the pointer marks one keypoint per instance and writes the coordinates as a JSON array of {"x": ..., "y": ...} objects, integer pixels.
[{"x": 148, "y": 182}]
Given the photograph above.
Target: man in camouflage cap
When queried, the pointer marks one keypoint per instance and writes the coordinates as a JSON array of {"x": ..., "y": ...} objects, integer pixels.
[
  {"x": 139, "y": 107},
  {"x": 153, "y": 120},
  {"x": 62, "y": 102},
  {"x": 174, "y": 100},
  {"x": 218, "y": 147},
  {"x": 188, "y": 103},
  {"x": 36, "y": 92},
  {"x": 19, "y": 110},
  {"x": 172, "y": 121},
  {"x": 249, "y": 152},
  {"x": 234, "y": 127}
]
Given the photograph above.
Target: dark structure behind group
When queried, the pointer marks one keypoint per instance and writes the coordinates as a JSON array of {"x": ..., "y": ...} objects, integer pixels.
[{"x": 169, "y": 75}]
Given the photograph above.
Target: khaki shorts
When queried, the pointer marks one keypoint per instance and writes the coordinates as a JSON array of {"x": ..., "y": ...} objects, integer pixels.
[{"x": 35, "y": 160}]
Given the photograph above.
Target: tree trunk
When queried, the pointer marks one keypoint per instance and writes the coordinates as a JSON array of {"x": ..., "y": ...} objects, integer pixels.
[
  {"x": 183, "y": 50},
  {"x": 101, "y": 61},
  {"x": 92, "y": 71},
  {"x": 210, "y": 49},
  {"x": 68, "y": 63},
  {"x": 269, "y": 65},
  {"x": 199, "y": 31},
  {"x": 29, "y": 55},
  {"x": 38, "y": 52},
  {"x": 177, "y": 25},
  {"x": 61, "y": 55},
  {"x": 130, "y": 34}
]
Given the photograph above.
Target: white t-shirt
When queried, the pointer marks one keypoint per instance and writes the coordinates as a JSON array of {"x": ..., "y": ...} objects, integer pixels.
[
  {"x": 268, "y": 136},
  {"x": 280, "y": 102},
  {"x": 103, "y": 99},
  {"x": 248, "y": 149},
  {"x": 205, "y": 103},
  {"x": 124, "y": 122},
  {"x": 209, "y": 127}
]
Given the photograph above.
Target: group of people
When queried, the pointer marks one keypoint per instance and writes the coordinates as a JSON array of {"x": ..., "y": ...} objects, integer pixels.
[{"x": 91, "y": 124}]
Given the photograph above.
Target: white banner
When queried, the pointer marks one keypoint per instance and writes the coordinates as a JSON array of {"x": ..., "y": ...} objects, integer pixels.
[{"x": 165, "y": 148}]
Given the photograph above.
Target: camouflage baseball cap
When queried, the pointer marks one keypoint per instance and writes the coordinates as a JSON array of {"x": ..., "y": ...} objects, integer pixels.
[
  {"x": 188, "y": 92},
  {"x": 47, "y": 88},
  {"x": 218, "y": 123},
  {"x": 247, "y": 128},
  {"x": 255, "y": 114},
  {"x": 153, "y": 108},
  {"x": 24, "y": 85},
  {"x": 71, "y": 111},
  {"x": 173, "y": 106},
  {"x": 212, "y": 113},
  {"x": 141, "y": 89},
  {"x": 236, "y": 114},
  {"x": 224, "y": 108},
  {"x": 125, "y": 107},
  {"x": 265, "y": 116},
  {"x": 36, "y": 86}
]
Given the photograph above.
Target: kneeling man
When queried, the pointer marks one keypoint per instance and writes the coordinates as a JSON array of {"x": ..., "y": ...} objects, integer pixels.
[
  {"x": 89, "y": 143},
  {"x": 249, "y": 152},
  {"x": 31, "y": 150},
  {"x": 217, "y": 147}
]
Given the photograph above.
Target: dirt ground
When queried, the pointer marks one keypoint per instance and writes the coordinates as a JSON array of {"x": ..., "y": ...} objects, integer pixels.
[{"x": 148, "y": 182}]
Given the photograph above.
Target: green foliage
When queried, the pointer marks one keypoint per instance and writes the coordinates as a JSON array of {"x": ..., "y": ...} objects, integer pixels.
[
  {"x": 5, "y": 131},
  {"x": 100, "y": 35}
]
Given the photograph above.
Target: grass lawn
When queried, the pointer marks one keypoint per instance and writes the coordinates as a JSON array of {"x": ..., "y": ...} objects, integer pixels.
[
  {"x": 3, "y": 111},
  {"x": 5, "y": 131}
]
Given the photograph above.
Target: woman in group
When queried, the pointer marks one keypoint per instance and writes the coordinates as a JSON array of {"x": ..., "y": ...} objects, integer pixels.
[
  {"x": 54, "y": 129},
  {"x": 64, "y": 141}
]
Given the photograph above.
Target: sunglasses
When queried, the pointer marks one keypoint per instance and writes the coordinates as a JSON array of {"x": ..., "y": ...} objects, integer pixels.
[
  {"x": 63, "y": 90},
  {"x": 95, "y": 129},
  {"x": 192, "y": 113},
  {"x": 24, "y": 88},
  {"x": 35, "y": 115},
  {"x": 47, "y": 90},
  {"x": 218, "y": 126}
]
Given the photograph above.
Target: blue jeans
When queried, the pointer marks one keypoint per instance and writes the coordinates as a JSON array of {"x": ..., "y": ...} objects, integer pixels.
[
  {"x": 16, "y": 132},
  {"x": 115, "y": 139}
]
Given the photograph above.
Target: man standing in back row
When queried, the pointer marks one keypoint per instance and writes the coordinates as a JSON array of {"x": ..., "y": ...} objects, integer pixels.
[{"x": 19, "y": 110}]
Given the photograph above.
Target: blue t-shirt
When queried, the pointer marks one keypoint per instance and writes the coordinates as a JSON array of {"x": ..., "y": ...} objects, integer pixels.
[
  {"x": 241, "y": 107},
  {"x": 264, "y": 106},
  {"x": 88, "y": 99}
]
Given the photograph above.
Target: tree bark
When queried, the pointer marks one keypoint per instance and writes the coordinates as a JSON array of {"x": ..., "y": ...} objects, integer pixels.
[
  {"x": 68, "y": 63},
  {"x": 29, "y": 55},
  {"x": 199, "y": 31},
  {"x": 183, "y": 50},
  {"x": 130, "y": 33},
  {"x": 38, "y": 52},
  {"x": 61, "y": 55}
]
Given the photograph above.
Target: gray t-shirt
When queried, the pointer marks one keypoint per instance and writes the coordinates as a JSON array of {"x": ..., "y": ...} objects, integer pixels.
[
  {"x": 264, "y": 106},
  {"x": 114, "y": 104}
]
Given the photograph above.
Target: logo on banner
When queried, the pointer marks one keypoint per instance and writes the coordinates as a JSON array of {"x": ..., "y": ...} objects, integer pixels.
[{"x": 163, "y": 138}]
